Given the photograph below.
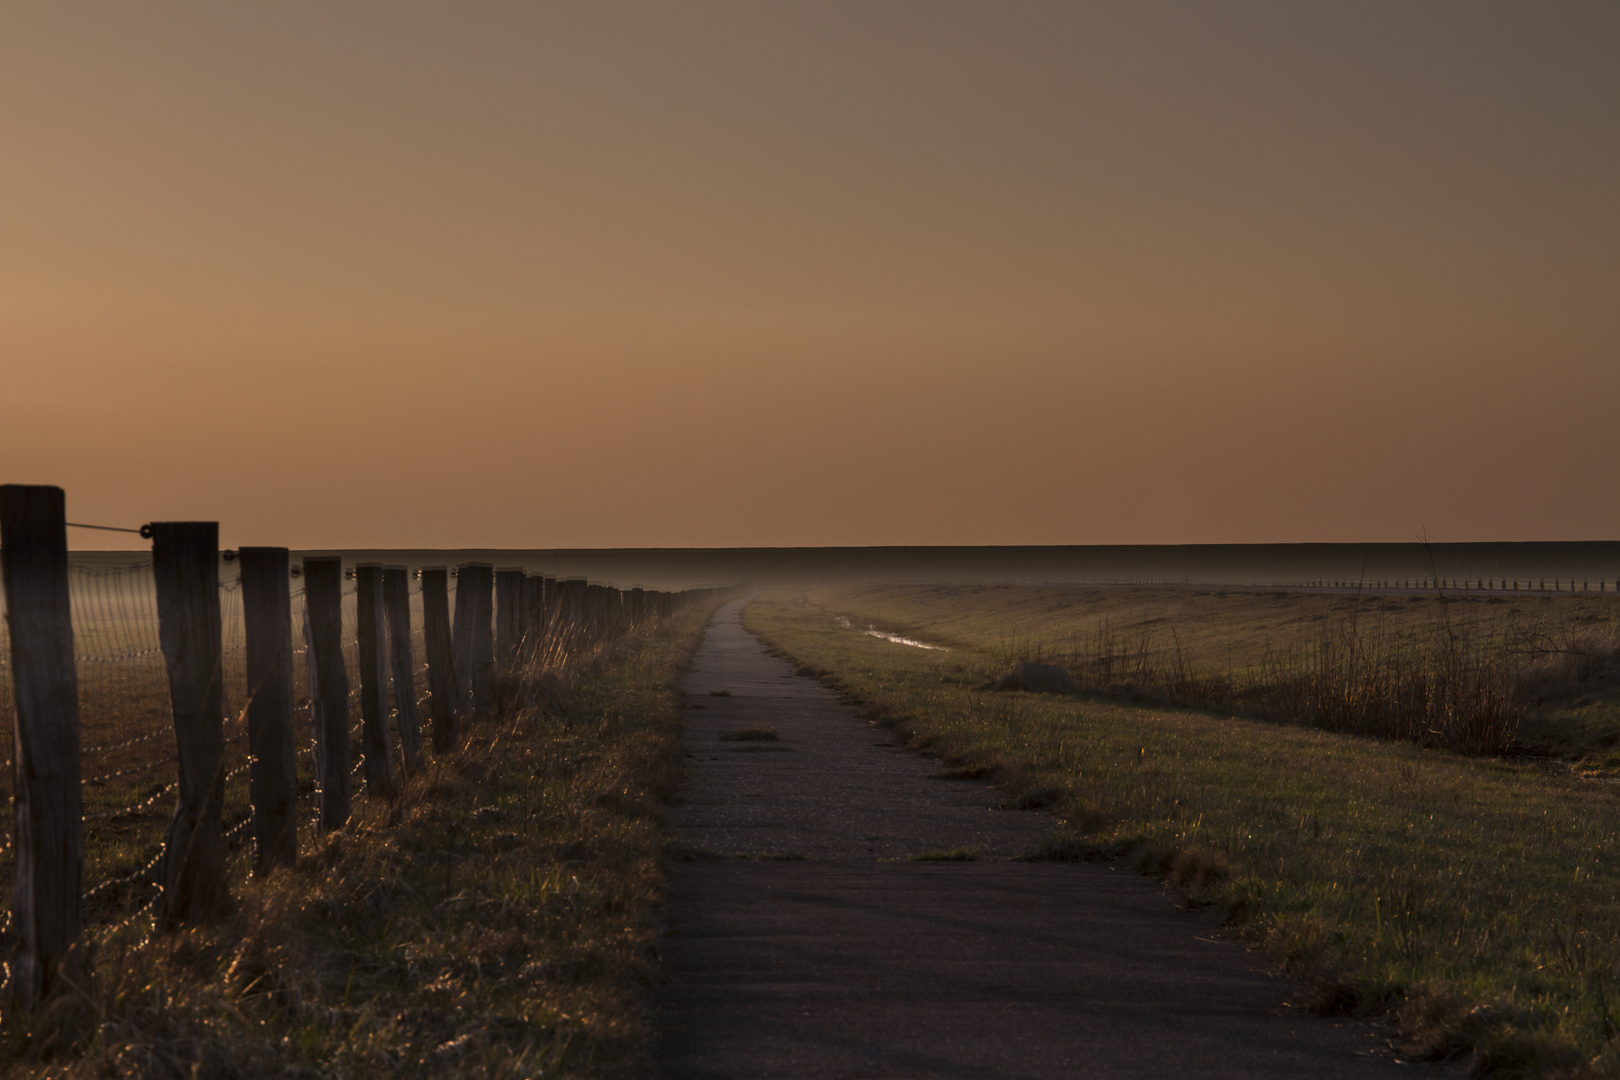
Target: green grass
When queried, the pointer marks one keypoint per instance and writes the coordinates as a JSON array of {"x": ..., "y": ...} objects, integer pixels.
[
  {"x": 1472, "y": 901},
  {"x": 500, "y": 921},
  {"x": 1465, "y": 670}
]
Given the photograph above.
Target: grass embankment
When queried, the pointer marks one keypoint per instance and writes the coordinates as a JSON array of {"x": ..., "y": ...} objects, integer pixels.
[
  {"x": 500, "y": 921},
  {"x": 1468, "y": 670},
  {"x": 1475, "y": 901}
]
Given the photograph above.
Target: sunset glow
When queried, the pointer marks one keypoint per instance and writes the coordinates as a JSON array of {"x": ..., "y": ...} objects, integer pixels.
[{"x": 512, "y": 275}]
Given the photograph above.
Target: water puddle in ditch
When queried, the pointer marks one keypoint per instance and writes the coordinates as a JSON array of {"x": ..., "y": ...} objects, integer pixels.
[{"x": 872, "y": 631}]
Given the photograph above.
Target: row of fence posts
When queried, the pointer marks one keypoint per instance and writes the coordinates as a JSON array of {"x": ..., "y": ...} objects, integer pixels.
[
  {"x": 1471, "y": 584},
  {"x": 502, "y": 618},
  {"x": 1413, "y": 584}
]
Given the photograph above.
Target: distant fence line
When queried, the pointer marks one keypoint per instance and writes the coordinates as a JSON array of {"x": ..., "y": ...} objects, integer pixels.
[
  {"x": 1479, "y": 584},
  {"x": 1570, "y": 586},
  {"x": 135, "y": 685}
]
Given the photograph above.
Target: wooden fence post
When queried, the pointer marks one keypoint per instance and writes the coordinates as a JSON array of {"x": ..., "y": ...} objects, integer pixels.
[
  {"x": 329, "y": 705},
  {"x": 442, "y": 693},
  {"x": 185, "y": 568},
  {"x": 375, "y": 741},
  {"x": 273, "y": 774},
  {"x": 548, "y": 601},
  {"x": 461, "y": 642},
  {"x": 508, "y": 620},
  {"x": 534, "y": 617},
  {"x": 572, "y": 604},
  {"x": 477, "y": 581},
  {"x": 45, "y": 687},
  {"x": 397, "y": 600},
  {"x": 596, "y": 611}
]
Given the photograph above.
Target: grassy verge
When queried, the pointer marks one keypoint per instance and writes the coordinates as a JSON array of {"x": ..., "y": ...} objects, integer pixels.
[
  {"x": 500, "y": 921},
  {"x": 1467, "y": 670},
  {"x": 1473, "y": 901}
]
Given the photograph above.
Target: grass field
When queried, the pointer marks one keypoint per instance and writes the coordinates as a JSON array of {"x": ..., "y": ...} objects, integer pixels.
[
  {"x": 499, "y": 921},
  {"x": 1243, "y": 651},
  {"x": 1471, "y": 900}
]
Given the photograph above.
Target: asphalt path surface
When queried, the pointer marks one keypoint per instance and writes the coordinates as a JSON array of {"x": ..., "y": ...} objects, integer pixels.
[{"x": 806, "y": 941}]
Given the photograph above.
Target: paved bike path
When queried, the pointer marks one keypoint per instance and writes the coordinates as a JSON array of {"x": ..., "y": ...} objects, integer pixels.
[{"x": 824, "y": 952}]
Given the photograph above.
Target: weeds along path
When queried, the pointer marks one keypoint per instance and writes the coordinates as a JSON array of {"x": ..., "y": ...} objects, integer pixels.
[{"x": 808, "y": 939}]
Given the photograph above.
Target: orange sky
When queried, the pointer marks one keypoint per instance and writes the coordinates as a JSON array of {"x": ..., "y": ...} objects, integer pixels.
[{"x": 530, "y": 275}]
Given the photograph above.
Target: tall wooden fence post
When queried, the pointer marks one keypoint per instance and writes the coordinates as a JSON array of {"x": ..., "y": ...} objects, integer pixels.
[
  {"x": 548, "y": 603},
  {"x": 329, "y": 704},
  {"x": 375, "y": 740},
  {"x": 534, "y": 618},
  {"x": 596, "y": 612},
  {"x": 44, "y": 684},
  {"x": 461, "y": 642},
  {"x": 397, "y": 601},
  {"x": 475, "y": 583},
  {"x": 572, "y": 605},
  {"x": 185, "y": 568},
  {"x": 508, "y": 620},
  {"x": 273, "y": 772},
  {"x": 442, "y": 693}
]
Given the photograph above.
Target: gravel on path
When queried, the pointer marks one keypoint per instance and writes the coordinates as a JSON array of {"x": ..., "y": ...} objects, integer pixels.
[{"x": 805, "y": 942}]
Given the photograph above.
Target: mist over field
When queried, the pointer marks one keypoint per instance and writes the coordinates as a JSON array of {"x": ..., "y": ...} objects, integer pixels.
[{"x": 1347, "y": 565}]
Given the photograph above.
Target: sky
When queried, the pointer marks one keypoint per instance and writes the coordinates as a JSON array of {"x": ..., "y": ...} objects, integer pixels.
[{"x": 739, "y": 274}]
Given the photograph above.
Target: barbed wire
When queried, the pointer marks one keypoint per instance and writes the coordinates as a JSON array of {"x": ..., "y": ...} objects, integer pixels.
[
  {"x": 123, "y": 678},
  {"x": 107, "y": 932},
  {"x": 110, "y": 747},
  {"x": 238, "y": 827},
  {"x": 119, "y": 658},
  {"x": 135, "y": 807},
  {"x": 104, "y": 777},
  {"x": 103, "y": 528},
  {"x": 131, "y": 877}
]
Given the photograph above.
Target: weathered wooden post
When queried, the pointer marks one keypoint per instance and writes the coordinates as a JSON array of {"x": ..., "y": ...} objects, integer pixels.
[
  {"x": 441, "y": 670},
  {"x": 521, "y": 619},
  {"x": 45, "y": 687},
  {"x": 548, "y": 599},
  {"x": 329, "y": 704},
  {"x": 596, "y": 611},
  {"x": 461, "y": 643},
  {"x": 477, "y": 581},
  {"x": 375, "y": 741},
  {"x": 534, "y": 617},
  {"x": 185, "y": 568},
  {"x": 407, "y": 718},
  {"x": 273, "y": 772},
  {"x": 573, "y": 603},
  {"x": 508, "y": 620}
]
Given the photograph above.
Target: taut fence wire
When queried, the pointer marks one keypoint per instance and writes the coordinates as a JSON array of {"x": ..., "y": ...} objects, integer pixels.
[{"x": 154, "y": 732}]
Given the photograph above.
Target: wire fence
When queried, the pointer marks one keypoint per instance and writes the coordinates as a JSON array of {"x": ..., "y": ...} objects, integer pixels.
[
  {"x": 1567, "y": 586},
  {"x": 128, "y": 762},
  {"x": 129, "y": 765}
]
